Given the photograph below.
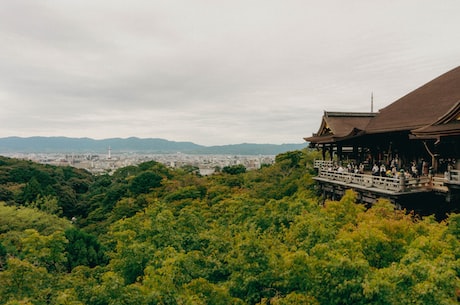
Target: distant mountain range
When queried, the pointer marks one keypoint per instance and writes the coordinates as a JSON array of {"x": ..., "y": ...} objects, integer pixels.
[{"x": 119, "y": 145}]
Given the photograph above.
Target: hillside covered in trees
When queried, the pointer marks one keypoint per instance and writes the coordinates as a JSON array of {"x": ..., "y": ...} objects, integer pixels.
[{"x": 152, "y": 235}]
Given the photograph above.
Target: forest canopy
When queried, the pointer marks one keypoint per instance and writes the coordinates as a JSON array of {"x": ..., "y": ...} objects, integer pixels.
[{"x": 150, "y": 234}]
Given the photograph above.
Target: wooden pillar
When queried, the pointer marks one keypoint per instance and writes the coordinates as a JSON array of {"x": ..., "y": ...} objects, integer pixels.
[
  {"x": 402, "y": 182},
  {"x": 434, "y": 161},
  {"x": 355, "y": 153},
  {"x": 339, "y": 152}
]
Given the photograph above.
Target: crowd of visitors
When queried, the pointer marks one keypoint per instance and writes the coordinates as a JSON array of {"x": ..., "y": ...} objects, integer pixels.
[{"x": 392, "y": 169}]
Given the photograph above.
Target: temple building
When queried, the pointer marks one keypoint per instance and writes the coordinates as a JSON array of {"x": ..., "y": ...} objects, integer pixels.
[{"x": 419, "y": 134}]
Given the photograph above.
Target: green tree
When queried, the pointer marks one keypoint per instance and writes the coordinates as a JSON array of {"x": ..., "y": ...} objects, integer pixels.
[
  {"x": 290, "y": 159},
  {"x": 162, "y": 282},
  {"x": 22, "y": 280},
  {"x": 21, "y": 218},
  {"x": 6, "y": 194},
  {"x": 252, "y": 262},
  {"x": 145, "y": 182},
  {"x": 130, "y": 256},
  {"x": 425, "y": 274},
  {"x": 31, "y": 191},
  {"x": 382, "y": 234},
  {"x": 125, "y": 207},
  {"x": 336, "y": 274},
  {"x": 48, "y": 204},
  {"x": 201, "y": 291},
  {"x": 45, "y": 251},
  {"x": 293, "y": 298},
  {"x": 83, "y": 249},
  {"x": 188, "y": 192},
  {"x": 3, "y": 257},
  {"x": 343, "y": 212},
  {"x": 234, "y": 169}
]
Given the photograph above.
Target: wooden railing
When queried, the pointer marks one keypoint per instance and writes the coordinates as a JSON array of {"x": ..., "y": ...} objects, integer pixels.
[
  {"x": 369, "y": 181},
  {"x": 438, "y": 183},
  {"x": 386, "y": 183},
  {"x": 442, "y": 183}
]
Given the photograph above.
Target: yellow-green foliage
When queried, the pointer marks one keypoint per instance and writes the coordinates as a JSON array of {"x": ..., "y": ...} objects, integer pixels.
[
  {"x": 21, "y": 218},
  {"x": 257, "y": 237}
]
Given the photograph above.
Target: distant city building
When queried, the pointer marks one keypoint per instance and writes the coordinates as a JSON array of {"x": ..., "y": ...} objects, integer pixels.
[{"x": 107, "y": 164}]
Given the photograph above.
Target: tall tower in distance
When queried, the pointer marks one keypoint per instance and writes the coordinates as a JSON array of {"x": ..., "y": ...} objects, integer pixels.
[{"x": 109, "y": 153}]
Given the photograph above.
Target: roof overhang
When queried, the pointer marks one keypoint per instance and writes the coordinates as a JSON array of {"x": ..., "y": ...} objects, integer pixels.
[{"x": 331, "y": 139}]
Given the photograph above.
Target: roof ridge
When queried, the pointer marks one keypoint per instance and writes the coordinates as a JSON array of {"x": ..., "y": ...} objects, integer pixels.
[{"x": 349, "y": 114}]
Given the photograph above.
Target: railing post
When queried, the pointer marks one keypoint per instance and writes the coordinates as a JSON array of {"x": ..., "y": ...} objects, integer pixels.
[{"x": 402, "y": 182}]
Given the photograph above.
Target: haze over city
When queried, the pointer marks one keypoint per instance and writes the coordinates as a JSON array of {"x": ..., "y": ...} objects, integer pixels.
[{"x": 212, "y": 72}]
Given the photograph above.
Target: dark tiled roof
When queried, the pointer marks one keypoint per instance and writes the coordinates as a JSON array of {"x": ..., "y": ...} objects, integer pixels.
[
  {"x": 421, "y": 107},
  {"x": 340, "y": 125},
  {"x": 438, "y": 130},
  {"x": 447, "y": 125}
]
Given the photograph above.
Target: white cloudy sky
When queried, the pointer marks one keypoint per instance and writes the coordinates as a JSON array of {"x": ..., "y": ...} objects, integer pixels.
[{"x": 212, "y": 71}]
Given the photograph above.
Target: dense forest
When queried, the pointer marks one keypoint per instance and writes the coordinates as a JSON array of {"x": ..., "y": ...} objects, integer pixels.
[{"x": 149, "y": 234}]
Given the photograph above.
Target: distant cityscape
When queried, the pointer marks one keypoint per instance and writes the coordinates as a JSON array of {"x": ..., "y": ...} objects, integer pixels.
[
  {"x": 107, "y": 155},
  {"x": 108, "y": 163}
]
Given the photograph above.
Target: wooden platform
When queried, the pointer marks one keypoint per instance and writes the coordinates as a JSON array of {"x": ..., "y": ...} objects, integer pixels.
[{"x": 421, "y": 193}]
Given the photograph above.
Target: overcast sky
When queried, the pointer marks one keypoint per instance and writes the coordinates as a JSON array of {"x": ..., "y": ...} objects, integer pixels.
[{"x": 213, "y": 72}]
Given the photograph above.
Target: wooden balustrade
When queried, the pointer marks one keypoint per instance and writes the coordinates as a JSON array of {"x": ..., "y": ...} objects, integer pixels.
[
  {"x": 369, "y": 181},
  {"x": 386, "y": 183}
]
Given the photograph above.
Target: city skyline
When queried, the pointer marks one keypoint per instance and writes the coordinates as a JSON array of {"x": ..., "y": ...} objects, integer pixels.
[
  {"x": 108, "y": 163},
  {"x": 212, "y": 73}
]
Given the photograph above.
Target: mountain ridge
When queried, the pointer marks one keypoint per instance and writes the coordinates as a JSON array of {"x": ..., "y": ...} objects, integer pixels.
[{"x": 40, "y": 144}]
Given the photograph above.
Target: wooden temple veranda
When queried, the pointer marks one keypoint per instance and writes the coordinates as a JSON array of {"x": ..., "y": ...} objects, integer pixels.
[{"x": 413, "y": 142}]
